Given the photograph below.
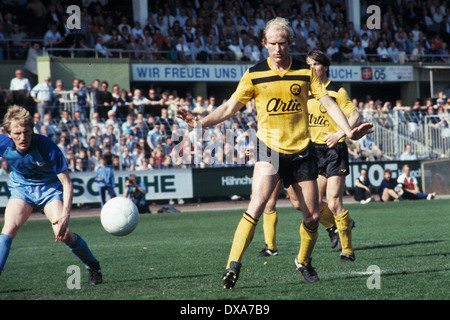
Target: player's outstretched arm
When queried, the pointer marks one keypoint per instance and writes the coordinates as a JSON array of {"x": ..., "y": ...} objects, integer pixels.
[
  {"x": 341, "y": 120},
  {"x": 332, "y": 139},
  {"x": 222, "y": 113}
]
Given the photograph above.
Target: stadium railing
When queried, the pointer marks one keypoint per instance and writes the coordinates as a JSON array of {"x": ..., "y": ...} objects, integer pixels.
[{"x": 396, "y": 131}]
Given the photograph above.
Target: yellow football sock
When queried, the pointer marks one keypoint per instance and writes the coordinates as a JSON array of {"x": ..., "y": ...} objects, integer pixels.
[
  {"x": 326, "y": 216},
  {"x": 344, "y": 227},
  {"x": 242, "y": 238},
  {"x": 308, "y": 239},
  {"x": 270, "y": 229}
]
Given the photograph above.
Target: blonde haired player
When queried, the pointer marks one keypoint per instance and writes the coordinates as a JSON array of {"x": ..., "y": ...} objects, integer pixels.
[
  {"x": 332, "y": 153},
  {"x": 39, "y": 178},
  {"x": 280, "y": 87}
]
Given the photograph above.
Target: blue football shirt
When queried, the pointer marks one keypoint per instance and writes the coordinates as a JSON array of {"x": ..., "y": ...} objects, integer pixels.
[{"x": 39, "y": 166}]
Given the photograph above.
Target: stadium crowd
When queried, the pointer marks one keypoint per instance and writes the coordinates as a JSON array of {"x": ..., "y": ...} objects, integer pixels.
[
  {"x": 134, "y": 130},
  {"x": 180, "y": 30},
  {"x": 139, "y": 130}
]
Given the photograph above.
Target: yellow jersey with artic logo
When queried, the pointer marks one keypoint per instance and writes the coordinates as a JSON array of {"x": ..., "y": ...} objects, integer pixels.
[
  {"x": 281, "y": 103},
  {"x": 319, "y": 119}
]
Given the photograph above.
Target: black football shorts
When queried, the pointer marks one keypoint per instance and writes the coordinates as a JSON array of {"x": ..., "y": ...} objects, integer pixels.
[
  {"x": 332, "y": 161},
  {"x": 291, "y": 168}
]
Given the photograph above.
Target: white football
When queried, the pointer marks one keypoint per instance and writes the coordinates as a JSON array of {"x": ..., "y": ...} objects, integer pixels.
[{"x": 119, "y": 216}]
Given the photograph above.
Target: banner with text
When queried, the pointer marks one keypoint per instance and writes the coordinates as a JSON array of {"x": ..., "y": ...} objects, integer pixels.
[
  {"x": 380, "y": 73},
  {"x": 188, "y": 72},
  {"x": 234, "y": 72},
  {"x": 208, "y": 182},
  {"x": 160, "y": 185}
]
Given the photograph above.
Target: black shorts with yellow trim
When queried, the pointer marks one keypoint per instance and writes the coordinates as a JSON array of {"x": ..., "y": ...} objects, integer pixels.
[
  {"x": 332, "y": 161},
  {"x": 291, "y": 168}
]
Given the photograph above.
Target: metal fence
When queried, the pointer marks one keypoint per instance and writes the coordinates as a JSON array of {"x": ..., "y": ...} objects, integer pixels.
[
  {"x": 429, "y": 137},
  {"x": 13, "y": 49}
]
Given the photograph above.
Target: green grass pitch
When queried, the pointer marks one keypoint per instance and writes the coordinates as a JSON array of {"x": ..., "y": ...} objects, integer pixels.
[{"x": 181, "y": 256}]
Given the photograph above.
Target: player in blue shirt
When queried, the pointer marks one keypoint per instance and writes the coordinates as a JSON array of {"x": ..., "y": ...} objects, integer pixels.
[{"x": 39, "y": 178}]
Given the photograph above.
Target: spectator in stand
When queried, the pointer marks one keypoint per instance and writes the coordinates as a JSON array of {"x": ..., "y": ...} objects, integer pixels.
[
  {"x": 358, "y": 52},
  {"x": 111, "y": 135},
  {"x": 104, "y": 100},
  {"x": 102, "y": 49},
  {"x": 21, "y": 88},
  {"x": 82, "y": 103},
  {"x": 418, "y": 54},
  {"x": 311, "y": 39},
  {"x": 236, "y": 49},
  {"x": 365, "y": 41},
  {"x": 252, "y": 52},
  {"x": 104, "y": 176},
  {"x": 333, "y": 52},
  {"x": 52, "y": 38},
  {"x": 154, "y": 135},
  {"x": 116, "y": 46},
  {"x": 5, "y": 168},
  {"x": 198, "y": 51},
  {"x": 432, "y": 54},
  {"x": 200, "y": 108},
  {"x": 128, "y": 125},
  {"x": 431, "y": 118},
  {"x": 124, "y": 24},
  {"x": 387, "y": 187},
  {"x": 166, "y": 121},
  {"x": 18, "y": 45},
  {"x": 382, "y": 52},
  {"x": 212, "y": 49},
  {"x": 113, "y": 121},
  {"x": 393, "y": 52},
  {"x": 371, "y": 52},
  {"x": 369, "y": 150},
  {"x": 363, "y": 194},
  {"x": 139, "y": 102},
  {"x": 409, "y": 188},
  {"x": 408, "y": 154},
  {"x": 183, "y": 50},
  {"x": 137, "y": 31},
  {"x": 43, "y": 95},
  {"x": 127, "y": 160},
  {"x": 443, "y": 53},
  {"x": 346, "y": 48},
  {"x": 106, "y": 37},
  {"x": 123, "y": 105},
  {"x": 226, "y": 53},
  {"x": 156, "y": 103}
]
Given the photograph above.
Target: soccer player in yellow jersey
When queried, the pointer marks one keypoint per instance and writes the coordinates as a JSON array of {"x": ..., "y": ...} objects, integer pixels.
[
  {"x": 332, "y": 154},
  {"x": 280, "y": 87}
]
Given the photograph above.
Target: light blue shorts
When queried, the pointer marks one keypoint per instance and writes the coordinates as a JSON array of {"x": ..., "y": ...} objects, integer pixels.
[{"x": 37, "y": 196}]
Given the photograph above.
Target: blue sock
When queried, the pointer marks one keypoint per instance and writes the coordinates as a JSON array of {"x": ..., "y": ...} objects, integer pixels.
[
  {"x": 81, "y": 250},
  {"x": 5, "y": 246}
]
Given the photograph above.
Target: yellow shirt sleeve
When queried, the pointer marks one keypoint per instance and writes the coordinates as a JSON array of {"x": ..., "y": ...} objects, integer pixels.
[
  {"x": 245, "y": 90},
  {"x": 317, "y": 87},
  {"x": 344, "y": 102}
]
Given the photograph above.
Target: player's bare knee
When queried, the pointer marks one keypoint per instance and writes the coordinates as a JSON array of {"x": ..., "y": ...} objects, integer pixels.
[
  {"x": 311, "y": 221},
  {"x": 10, "y": 230},
  {"x": 296, "y": 205}
]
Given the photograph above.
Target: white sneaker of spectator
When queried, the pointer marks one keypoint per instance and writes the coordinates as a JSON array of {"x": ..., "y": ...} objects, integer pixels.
[{"x": 367, "y": 200}]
